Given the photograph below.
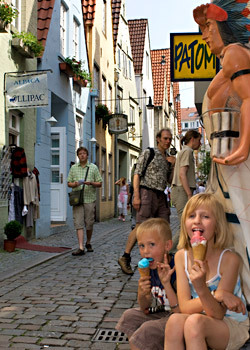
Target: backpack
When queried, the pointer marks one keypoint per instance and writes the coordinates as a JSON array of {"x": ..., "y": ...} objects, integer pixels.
[{"x": 150, "y": 158}]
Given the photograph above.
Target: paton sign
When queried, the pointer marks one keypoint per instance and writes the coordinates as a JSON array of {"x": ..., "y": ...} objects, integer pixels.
[
  {"x": 191, "y": 58},
  {"x": 26, "y": 90}
]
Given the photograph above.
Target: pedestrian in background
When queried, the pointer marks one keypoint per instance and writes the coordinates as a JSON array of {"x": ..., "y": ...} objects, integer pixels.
[
  {"x": 150, "y": 180},
  {"x": 184, "y": 184},
  {"x": 84, "y": 214},
  {"x": 122, "y": 198}
]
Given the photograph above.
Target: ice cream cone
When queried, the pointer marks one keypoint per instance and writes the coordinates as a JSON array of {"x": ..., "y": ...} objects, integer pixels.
[
  {"x": 145, "y": 271},
  {"x": 199, "y": 251}
]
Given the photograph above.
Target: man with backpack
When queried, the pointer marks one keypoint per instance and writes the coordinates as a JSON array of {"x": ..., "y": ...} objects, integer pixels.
[{"x": 154, "y": 170}]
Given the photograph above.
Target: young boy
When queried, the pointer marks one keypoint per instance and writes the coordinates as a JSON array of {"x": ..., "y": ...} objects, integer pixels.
[{"x": 157, "y": 299}]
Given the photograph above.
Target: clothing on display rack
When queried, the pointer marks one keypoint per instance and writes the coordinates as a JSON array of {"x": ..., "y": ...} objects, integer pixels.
[
  {"x": 30, "y": 197},
  {"x": 18, "y": 162}
]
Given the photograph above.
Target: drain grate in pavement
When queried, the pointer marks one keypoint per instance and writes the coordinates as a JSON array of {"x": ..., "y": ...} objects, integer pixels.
[{"x": 110, "y": 336}]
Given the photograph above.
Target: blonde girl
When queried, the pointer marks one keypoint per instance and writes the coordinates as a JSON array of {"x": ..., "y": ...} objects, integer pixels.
[{"x": 213, "y": 308}]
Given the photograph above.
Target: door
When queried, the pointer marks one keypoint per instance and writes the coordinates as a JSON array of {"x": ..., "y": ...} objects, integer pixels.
[{"x": 58, "y": 178}]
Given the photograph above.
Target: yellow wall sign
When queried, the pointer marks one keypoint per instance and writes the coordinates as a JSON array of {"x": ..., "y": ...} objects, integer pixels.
[{"x": 191, "y": 58}]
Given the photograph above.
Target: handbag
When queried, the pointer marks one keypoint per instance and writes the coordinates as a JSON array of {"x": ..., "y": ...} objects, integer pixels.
[{"x": 77, "y": 197}]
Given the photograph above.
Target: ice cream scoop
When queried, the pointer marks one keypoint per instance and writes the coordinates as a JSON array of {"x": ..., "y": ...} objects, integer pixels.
[
  {"x": 199, "y": 245},
  {"x": 143, "y": 266}
]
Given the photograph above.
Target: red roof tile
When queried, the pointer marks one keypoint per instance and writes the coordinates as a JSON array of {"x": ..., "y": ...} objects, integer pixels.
[
  {"x": 44, "y": 14},
  {"x": 185, "y": 113},
  {"x": 161, "y": 75},
  {"x": 88, "y": 9},
  {"x": 116, "y": 9},
  {"x": 137, "y": 33}
]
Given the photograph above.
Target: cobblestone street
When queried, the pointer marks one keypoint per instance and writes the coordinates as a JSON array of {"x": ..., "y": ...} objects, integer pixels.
[{"x": 58, "y": 301}]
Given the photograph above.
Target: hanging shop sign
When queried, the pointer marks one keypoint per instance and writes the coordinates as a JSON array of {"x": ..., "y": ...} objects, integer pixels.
[
  {"x": 118, "y": 123},
  {"x": 191, "y": 58},
  {"x": 26, "y": 90}
]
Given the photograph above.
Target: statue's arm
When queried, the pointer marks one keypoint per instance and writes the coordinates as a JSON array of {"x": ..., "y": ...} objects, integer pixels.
[{"x": 238, "y": 59}]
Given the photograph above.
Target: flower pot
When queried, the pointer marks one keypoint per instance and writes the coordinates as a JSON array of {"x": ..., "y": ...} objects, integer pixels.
[
  {"x": 80, "y": 82},
  {"x": 66, "y": 69},
  {"x": 9, "y": 246},
  {"x": 24, "y": 50}
]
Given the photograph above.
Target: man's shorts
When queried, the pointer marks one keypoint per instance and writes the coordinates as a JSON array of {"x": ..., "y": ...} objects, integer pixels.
[
  {"x": 144, "y": 331},
  {"x": 84, "y": 215},
  {"x": 153, "y": 205}
]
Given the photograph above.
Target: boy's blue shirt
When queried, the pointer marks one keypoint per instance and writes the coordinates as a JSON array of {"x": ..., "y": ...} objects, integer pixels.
[{"x": 157, "y": 288}]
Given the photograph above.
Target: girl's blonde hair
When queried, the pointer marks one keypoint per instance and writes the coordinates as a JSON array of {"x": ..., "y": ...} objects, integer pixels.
[
  {"x": 158, "y": 224},
  {"x": 223, "y": 235}
]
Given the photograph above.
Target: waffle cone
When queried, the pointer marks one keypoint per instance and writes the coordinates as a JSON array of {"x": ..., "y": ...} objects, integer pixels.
[
  {"x": 199, "y": 252},
  {"x": 144, "y": 271}
]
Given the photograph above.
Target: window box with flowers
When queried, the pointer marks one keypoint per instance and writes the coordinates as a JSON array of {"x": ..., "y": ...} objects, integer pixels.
[
  {"x": 27, "y": 44},
  {"x": 7, "y": 14},
  {"x": 74, "y": 68},
  {"x": 102, "y": 113}
]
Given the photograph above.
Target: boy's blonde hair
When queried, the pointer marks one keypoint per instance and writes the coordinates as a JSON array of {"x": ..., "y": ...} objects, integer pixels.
[
  {"x": 158, "y": 224},
  {"x": 223, "y": 234}
]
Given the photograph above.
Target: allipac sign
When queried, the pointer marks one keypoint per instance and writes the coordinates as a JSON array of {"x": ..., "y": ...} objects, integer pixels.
[
  {"x": 26, "y": 90},
  {"x": 191, "y": 58}
]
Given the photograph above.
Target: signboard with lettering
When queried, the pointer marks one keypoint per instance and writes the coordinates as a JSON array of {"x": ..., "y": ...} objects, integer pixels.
[
  {"x": 118, "y": 123},
  {"x": 26, "y": 90},
  {"x": 191, "y": 58}
]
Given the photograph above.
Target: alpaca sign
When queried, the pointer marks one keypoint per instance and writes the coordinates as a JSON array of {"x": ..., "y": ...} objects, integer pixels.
[{"x": 191, "y": 58}]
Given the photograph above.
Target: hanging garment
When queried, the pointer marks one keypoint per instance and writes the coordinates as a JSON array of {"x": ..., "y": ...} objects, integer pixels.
[
  {"x": 36, "y": 172},
  {"x": 11, "y": 215},
  {"x": 30, "y": 193},
  {"x": 18, "y": 203},
  {"x": 18, "y": 163}
]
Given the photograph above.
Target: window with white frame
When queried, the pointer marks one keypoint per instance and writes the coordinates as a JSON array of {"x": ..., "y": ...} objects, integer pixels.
[
  {"x": 119, "y": 100},
  {"x": 76, "y": 38},
  {"x": 125, "y": 66},
  {"x": 109, "y": 98},
  {"x": 14, "y": 128},
  {"x": 110, "y": 177},
  {"x": 96, "y": 79},
  {"x": 144, "y": 102},
  {"x": 131, "y": 114},
  {"x": 119, "y": 58},
  {"x": 147, "y": 64},
  {"x": 104, "y": 16},
  {"x": 104, "y": 89},
  {"x": 129, "y": 68},
  {"x": 17, "y": 21},
  {"x": 103, "y": 173},
  {"x": 78, "y": 132},
  {"x": 63, "y": 19}
]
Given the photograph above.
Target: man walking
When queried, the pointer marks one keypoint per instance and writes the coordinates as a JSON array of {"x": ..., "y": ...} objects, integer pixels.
[
  {"x": 150, "y": 180},
  {"x": 87, "y": 174}
]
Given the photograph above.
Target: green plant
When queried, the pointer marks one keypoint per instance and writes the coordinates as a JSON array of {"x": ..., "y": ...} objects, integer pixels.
[
  {"x": 12, "y": 229},
  {"x": 102, "y": 112},
  {"x": 7, "y": 12},
  {"x": 77, "y": 67},
  {"x": 31, "y": 41},
  {"x": 205, "y": 165}
]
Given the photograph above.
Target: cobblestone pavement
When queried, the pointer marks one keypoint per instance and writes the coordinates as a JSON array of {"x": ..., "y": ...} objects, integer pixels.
[{"x": 58, "y": 301}]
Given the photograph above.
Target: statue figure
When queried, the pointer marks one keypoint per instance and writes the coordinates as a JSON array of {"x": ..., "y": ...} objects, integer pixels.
[{"x": 225, "y": 27}]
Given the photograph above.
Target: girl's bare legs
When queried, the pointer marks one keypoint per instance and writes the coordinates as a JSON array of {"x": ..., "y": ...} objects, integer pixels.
[
  {"x": 201, "y": 330},
  {"x": 174, "y": 332}
]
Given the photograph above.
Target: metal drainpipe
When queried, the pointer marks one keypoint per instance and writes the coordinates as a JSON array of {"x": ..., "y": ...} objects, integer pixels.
[{"x": 93, "y": 93}]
